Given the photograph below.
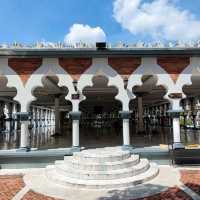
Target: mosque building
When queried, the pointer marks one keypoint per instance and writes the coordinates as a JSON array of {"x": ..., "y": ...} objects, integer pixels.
[{"x": 95, "y": 96}]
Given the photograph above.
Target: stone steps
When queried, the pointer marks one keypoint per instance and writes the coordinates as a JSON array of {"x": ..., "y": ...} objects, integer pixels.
[
  {"x": 134, "y": 170},
  {"x": 100, "y": 166},
  {"x": 105, "y": 168},
  {"x": 106, "y": 155},
  {"x": 57, "y": 178}
]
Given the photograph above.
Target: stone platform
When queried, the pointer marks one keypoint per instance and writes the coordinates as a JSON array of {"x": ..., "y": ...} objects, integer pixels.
[
  {"x": 99, "y": 173},
  {"x": 104, "y": 168}
]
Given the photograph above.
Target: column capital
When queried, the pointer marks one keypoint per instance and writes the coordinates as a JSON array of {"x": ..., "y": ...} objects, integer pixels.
[
  {"x": 175, "y": 113},
  {"x": 125, "y": 114},
  {"x": 23, "y": 116},
  {"x": 75, "y": 115}
]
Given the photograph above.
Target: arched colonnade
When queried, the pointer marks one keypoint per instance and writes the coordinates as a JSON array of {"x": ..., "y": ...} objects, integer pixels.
[{"x": 99, "y": 66}]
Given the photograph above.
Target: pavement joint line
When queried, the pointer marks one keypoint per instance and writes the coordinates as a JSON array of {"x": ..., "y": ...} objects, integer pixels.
[
  {"x": 21, "y": 193},
  {"x": 183, "y": 187},
  {"x": 190, "y": 192}
]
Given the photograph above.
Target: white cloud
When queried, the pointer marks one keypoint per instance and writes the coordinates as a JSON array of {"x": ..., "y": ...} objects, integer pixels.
[
  {"x": 85, "y": 33},
  {"x": 159, "y": 19}
]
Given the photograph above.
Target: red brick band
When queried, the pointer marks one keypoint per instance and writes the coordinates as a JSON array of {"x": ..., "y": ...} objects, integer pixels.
[
  {"x": 75, "y": 66},
  {"x": 24, "y": 67},
  {"x": 173, "y": 65},
  {"x": 125, "y": 66}
]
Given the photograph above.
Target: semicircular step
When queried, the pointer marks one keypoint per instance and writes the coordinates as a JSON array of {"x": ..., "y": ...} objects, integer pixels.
[
  {"x": 68, "y": 171},
  {"x": 100, "y": 166},
  {"x": 103, "y": 155},
  {"x": 57, "y": 178}
]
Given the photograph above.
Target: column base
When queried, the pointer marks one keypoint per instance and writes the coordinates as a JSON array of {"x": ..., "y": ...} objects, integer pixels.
[
  {"x": 75, "y": 149},
  {"x": 24, "y": 149},
  {"x": 178, "y": 146},
  {"x": 127, "y": 148}
]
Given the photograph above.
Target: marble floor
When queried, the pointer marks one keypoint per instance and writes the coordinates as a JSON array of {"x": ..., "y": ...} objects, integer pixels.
[{"x": 41, "y": 138}]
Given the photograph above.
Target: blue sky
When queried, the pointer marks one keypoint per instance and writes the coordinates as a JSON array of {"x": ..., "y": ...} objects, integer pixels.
[{"x": 50, "y": 20}]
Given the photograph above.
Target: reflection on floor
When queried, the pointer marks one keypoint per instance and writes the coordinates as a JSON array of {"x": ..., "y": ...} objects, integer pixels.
[{"x": 41, "y": 138}]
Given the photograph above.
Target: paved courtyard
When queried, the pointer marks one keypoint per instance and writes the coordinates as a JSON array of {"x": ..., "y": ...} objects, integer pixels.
[{"x": 13, "y": 187}]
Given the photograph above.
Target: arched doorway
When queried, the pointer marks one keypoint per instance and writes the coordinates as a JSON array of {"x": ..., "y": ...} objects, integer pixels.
[
  {"x": 100, "y": 122},
  {"x": 50, "y": 124},
  {"x": 150, "y": 124}
]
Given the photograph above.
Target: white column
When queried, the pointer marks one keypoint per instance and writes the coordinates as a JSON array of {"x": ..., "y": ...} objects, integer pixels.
[
  {"x": 75, "y": 131},
  {"x": 6, "y": 111},
  {"x": 15, "y": 119},
  {"x": 126, "y": 134},
  {"x": 38, "y": 117},
  {"x": 75, "y": 128},
  {"x": 49, "y": 118},
  {"x": 57, "y": 116},
  {"x": 46, "y": 117},
  {"x": 140, "y": 115},
  {"x": 24, "y": 134},
  {"x": 176, "y": 130},
  {"x": 41, "y": 117},
  {"x": 35, "y": 116},
  {"x": 52, "y": 117},
  {"x": 125, "y": 115}
]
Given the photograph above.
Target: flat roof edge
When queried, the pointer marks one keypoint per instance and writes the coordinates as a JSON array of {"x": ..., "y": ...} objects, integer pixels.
[{"x": 142, "y": 52}]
